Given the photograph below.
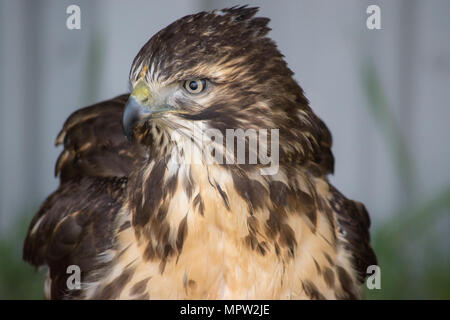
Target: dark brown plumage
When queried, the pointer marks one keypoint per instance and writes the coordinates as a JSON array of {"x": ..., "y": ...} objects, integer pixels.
[
  {"x": 143, "y": 220},
  {"x": 75, "y": 223}
]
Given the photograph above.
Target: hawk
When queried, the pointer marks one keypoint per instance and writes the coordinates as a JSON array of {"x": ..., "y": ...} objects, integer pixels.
[{"x": 145, "y": 213}]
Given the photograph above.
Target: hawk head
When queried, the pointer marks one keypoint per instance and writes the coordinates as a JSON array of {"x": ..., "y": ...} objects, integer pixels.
[{"x": 217, "y": 71}]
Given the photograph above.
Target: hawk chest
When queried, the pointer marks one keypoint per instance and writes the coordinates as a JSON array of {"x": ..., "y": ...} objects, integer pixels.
[{"x": 212, "y": 244}]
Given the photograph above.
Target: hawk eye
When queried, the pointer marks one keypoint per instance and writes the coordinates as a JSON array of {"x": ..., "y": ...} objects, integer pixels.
[{"x": 195, "y": 86}]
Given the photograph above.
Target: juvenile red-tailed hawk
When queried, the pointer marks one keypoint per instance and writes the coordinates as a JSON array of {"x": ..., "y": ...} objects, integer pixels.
[{"x": 155, "y": 217}]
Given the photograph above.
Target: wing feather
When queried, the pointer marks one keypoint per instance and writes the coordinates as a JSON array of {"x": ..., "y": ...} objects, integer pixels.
[
  {"x": 75, "y": 223},
  {"x": 353, "y": 223}
]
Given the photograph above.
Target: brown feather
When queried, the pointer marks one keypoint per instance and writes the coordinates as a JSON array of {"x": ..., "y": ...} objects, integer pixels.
[{"x": 76, "y": 221}]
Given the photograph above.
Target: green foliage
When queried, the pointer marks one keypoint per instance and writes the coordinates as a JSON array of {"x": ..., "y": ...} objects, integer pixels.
[
  {"x": 385, "y": 119},
  {"x": 414, "y": 263},
  {"x": 414, "y": 260},
  {"x": 18, "y": 280}
]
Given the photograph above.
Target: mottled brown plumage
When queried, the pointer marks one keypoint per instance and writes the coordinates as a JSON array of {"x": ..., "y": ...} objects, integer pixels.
[
  {"x": 76, "y": 222},
  {"x": 143, "y": 220}
]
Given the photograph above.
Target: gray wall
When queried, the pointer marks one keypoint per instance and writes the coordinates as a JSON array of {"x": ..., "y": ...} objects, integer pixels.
[{"x": 48, "y": 71}]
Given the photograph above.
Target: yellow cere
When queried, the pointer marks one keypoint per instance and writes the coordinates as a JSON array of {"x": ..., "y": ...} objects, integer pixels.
[{"x": 141, "y": 92}]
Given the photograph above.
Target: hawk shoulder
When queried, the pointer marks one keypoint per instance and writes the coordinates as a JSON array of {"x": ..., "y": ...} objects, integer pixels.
[
  {"x": 75, "y": 223},
  {"x": 353, "y": 223}
]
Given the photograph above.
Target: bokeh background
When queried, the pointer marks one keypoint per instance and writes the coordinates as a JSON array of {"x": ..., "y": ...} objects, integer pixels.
[{"x": 385, "y": 95}]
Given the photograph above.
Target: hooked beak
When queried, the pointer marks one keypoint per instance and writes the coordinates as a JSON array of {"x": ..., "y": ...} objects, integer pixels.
[
  {"x": 139, "y": 108},
  {"x": 133, "y": 113}
]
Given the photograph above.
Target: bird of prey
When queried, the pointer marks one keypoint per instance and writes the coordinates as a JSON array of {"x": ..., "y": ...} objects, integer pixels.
[{"x": 145, "y": 213}]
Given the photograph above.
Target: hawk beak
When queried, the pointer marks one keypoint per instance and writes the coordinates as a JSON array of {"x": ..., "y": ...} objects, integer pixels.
[
  {"x": 133, "y": 113},
  {"x": 139, "y": 108}
]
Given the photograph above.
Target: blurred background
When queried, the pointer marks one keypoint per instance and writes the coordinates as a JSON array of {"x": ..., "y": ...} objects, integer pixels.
[{"x": 384, "y": 94}]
